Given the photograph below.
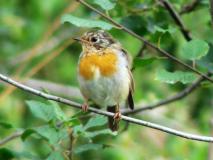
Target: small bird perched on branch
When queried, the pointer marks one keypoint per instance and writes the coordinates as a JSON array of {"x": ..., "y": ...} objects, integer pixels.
[{"x": 104, "y": 74}]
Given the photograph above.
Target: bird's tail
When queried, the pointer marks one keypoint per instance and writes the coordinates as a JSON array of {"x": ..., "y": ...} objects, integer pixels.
[{"x": 113, "y": 125}]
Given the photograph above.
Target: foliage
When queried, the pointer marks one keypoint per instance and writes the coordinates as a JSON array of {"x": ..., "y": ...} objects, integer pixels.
[
  {"x": 178, "y": 76},
  {"x": 105, "y": 4},
  {"x": 31, "y": 34},
  {"x": 195, "y": 49},
  {"x": 57, "y": 133},
  {"x": 79, "y": 22}
]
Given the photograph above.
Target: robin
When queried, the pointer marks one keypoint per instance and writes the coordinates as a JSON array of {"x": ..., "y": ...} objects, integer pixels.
[{"x": 104, "y": 74}]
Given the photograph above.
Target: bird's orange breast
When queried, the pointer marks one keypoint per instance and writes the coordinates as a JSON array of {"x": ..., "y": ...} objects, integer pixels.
[{"x": 106, "y": 63}]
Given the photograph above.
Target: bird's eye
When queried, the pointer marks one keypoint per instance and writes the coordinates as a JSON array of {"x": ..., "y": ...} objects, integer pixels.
[{"x": 94, "y": 39}]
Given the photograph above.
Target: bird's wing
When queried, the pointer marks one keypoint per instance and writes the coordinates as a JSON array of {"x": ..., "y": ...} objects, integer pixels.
[
  {"x": 131, "y": 90},
  {"x": 132, "y": 85}
]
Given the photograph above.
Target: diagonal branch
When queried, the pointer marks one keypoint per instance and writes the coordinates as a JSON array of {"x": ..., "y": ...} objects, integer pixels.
[
  {"x": 187, "y": 90},
  {"x": 165, "y": 53},
  {"x": 177, "y": 19},
  {"x": 168, "y": 100},
  {"x": 10, "y": 137},
  {"x": 58, "y": 89},
  {"x": 101, "y": 112}
]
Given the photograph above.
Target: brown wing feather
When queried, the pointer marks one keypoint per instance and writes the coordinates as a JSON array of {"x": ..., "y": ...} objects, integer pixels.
[{"x": 132, "y": 85}]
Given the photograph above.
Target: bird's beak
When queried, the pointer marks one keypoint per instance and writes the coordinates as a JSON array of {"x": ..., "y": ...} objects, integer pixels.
[{"x": 77, "y": 39}]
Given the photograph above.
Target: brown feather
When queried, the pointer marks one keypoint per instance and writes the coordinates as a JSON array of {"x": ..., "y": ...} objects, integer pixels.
[{"x": 132, "y": 85}]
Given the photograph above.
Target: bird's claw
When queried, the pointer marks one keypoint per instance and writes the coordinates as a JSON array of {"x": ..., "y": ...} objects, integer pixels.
[
  {"x": 84, "y": 107},
  {"x": 117, "y": 116}
]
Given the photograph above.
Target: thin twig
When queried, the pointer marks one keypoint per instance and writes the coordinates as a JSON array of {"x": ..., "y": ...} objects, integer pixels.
[
  {"x": 71, "y": 143},
  {"x": 58, "y": 89},
  {"x": 171, "y": 99},
  {"x": 105, "y": 113},
  {"x": 177, "y": 19},
  {"x": 145, "y": 41},
  {"x": 141, "y": 51},
  {"x": 10, "y": 138}
]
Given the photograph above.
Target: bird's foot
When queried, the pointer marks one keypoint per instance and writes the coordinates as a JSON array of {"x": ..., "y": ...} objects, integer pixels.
[
  {"x": 117, "y": 116},
  {"x": 85, "y": 107}
]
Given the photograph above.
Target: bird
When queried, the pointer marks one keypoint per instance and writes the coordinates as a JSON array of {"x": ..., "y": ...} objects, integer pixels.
[{"x": 104, "y": 74}]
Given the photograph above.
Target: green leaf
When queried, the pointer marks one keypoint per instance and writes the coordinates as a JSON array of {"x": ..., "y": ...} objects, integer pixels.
[
  {"x": 142, "y": 62},
  {"x": 87, "y": 147},
  {"x": 169, "y": 30},
  {"x": 105, "y": 4},
  {"x": 42, "y": 110},
  {"x": 51, "y": 134},
  {"x": 26, "y": 155},
  {"x": 55, "y": 156},
  {"x": 6, "y": 125},
  {"x": 80, "y": 22},
  {"x": 79, "y": 113},
  {"x": 174, "y": 77},
  {"x": 79, "y": 129},
  {"x": 46, "y": 112},
  {"x": 95, "y": 121},
  {"x": 100, "y": 132},
  {"x": 59, "y": 113},
  {"x": 195, "y": 49},
  {"x": 72, "y": 122}
]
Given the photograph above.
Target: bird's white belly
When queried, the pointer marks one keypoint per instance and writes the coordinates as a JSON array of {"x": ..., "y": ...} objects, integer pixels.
[{"x": 107, "y": 91}]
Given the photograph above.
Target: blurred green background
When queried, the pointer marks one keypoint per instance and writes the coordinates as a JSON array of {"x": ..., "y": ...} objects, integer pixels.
[{"x": 37, "y": 49}]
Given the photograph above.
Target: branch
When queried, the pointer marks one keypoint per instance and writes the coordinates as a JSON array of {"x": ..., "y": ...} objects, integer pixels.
[
  {"x": 58, "y": 89},
  {"x": 171, "y": 99},
  {"x": 141, "y": 51},
  {"x": 165, "y": 53},
  {"x": 10, "y": 138},
  {"x": 101, "y": 112},
  {"x": 189, "y": 7},
  {"x": 177, "y": 19},
  {"x": 187, "y": 90}
]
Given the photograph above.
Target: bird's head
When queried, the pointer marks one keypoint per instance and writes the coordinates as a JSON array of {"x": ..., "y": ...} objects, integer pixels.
[{"x": 96, "y": 41}]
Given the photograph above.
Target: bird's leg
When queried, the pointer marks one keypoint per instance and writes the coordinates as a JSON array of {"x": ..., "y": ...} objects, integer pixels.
[
  {"x": 117, "y": 116},
  {"x": 85, "y": 106}
]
